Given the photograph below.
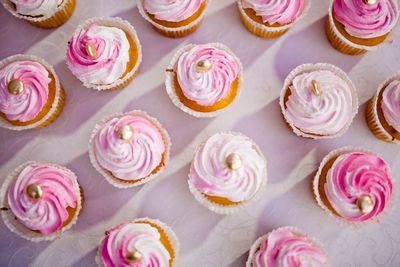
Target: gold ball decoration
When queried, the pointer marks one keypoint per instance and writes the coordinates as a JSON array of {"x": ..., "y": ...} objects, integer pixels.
[
  {"x": 365, "y": 204},
  {"x": 371, "y": 2},
  {"x": 15, "y": 87},
  {"x": 233, "y": 161},
  {"x": 315, "y": 88},
  {"x": 125, "y": 133},
  {"x": 91, "y": 50},
  {"x": 34, "y": 191},
  {"x": 133, "y": 256},
  {"x": 203, "y": 65}
]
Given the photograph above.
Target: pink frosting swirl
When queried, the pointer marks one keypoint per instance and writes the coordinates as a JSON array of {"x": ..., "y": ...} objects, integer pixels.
[
  {"x": 391, "y": 104},
  {"x": 285, "y": 247},
  {"x": 210, "y": 174},
  {"x": 354, "y": 175},
  {"x": 111, "y": 57},
  {"x": 26, "y": 105},
  {"x": 172, "y": 10},
  {"x": 276, "y": 11},
  {"x": 133, "y": 237},
  {"x": 366, "y": 21},
  {"x": 48, "y": 213},
  {"x": 206, "y": 88},
  {"x": 133, "y": 159}
]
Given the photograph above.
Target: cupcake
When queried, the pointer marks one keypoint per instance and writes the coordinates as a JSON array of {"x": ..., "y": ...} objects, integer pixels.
[
  {"x": 318, "y": 101},
  {"x": 269, "y": 18},
  {"x": 355, "y": 27},
  {"x": 173, "y": 18},
  {"x": 142, "y": 242},
  {"x": 31, "y": 95},
  {"x": 202, "y": 80},
  {"x": 228, "y": 172},
  {"x": 39, "y": 201},
  {"x": 353, "y": 185},
  {"x": 44, "y": 14},
  {"x": 383, "y": 111},
  {"x": 287, "y": 246},
  {"x": 104, "y": 53},
  {"x": 129, "y": 149}
]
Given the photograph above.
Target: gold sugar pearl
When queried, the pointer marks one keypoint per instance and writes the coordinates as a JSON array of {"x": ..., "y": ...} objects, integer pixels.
[
  {"x": 34, "y": 191},
  {"x": 133, "y": 256},
  {"x": 91, "y": 50},
  {"x": 203, "y": 65},
  {"x": 233, "y": 161},
  {"x": 370, "y": 2},
  {"x": 15, "y": 87},
  {"x": 125, "y": 133},
  {"x": 365, "y": 204},
  {"x": 315, "y": 88}
]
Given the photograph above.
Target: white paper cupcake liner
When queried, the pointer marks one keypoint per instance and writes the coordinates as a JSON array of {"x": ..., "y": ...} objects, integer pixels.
[
  {"x": 16, "y": 227},
  {"x": 106, "y": 174},
  {"x": 230, "y": 209},
  {"x": 11, "y": 8},
  {"x": 178, "y": 31},
  {"x": 264, "y": 31},
  {"x": 256, "y": 245},
  {"x": 170, "y": 87},
  {"x": 340, "y": 220},
  {"x": 172, "y": 238},
  {"x": 57, "y": 98},
  {"x": 316, "y": 67},
  {"x": 375, "y": 119},
  {"x": 129, "y": 30}
]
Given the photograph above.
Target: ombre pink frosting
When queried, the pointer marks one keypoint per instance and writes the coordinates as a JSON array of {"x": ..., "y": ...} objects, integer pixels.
[
  {"x": 325, "y": 114},
  {"x": 111, "y": 59},
  {"x": 391, "y": 104},
  {"x": 210, "y": 174},
  {"x": 27, "y": 105},
  {"x": 353, "y": 175},
  {"x": 36, "y": 7},
  {"x": 131, "y": 237},
  {"x": 286, "y": 247},
  {"x": 48, "y": 213},
  {"x": 366, "y": 21},
  {"x": 133, "y": 159},
  {"x": 172, "y": 10},
  {"x": 206, "y": 88},
  {"x": 276, "y": 11}
]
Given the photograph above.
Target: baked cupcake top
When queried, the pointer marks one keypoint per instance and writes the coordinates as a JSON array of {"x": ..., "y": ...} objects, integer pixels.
[
  {"x": 205, "y": 73},
  {"x": 36, "y": 7},
  {"x": 320, "y": 103},
  {"x": 133, "y": 244},
  {"x": 282, "y": 12},
  {"x": 289, "y": 247},
  {"x": 129, "y": 146},
  {"x": 366, "y": 18},
  {"x": 391, "y": 104},
  {"x": 358, "y": 186},
  {"x": 41, "y": 195},
  {"x": 228, "y": 165},
  {"x": 24, "y": 90},
  {"x": 173, "y": 11},
  {"x": 98, "y": 55}
]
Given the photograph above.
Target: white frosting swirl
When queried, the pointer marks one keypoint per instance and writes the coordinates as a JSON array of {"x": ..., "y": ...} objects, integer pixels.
[
  {"x": 210, "y": 175},
  {"x": 112, "y": 54},
  {"x": 172, "y": 10},
  {"x": 391, "y": 104},
  {"x": 36, "y": 7},
  {"x": 206, "y": 88},
  {"x": 325, "y": 114}
]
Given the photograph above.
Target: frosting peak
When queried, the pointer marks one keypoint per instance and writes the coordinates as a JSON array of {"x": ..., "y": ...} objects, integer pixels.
[
  {"x": 391, "y": 104},
  {"x": 172, "y": 10},
  {"x": 36, "y": 7}
]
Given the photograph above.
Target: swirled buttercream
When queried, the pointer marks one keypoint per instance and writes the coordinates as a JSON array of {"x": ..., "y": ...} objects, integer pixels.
[
  {"x": 36, "y": 7},
  {"x": 172, "y": 10},
  {"x": 391, "y": 104}
]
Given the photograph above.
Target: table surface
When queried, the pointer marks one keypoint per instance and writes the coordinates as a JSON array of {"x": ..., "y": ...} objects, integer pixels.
[{"x": 207, "y": 239}]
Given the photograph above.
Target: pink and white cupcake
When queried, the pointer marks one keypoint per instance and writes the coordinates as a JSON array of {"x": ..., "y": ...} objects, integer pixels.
[
  {"x": 203, "y": 80},
  {"x": 104, "y": 53},
  {"x": 383, "y": 111},
  {"x": 129, "y": 149},
  {"x": 318, "y": 101},
  {"x": 174, "y": 19},
  {"x": 287, "y": 247},
  {"x": 357, "y": 26},
  {"x": 41, "y": 13},
  {"x": 269, "y": 18},
  {"x": 31, "y": 95},
  {"x": 39, "y": 201},
  {"x": 228, "y": 172},
  {"x": 353, "y": 185},
  {"x": 142, "y": 242}
]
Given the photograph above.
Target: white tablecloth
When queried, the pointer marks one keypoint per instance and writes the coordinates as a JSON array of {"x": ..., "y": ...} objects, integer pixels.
[{"x": 207, "y": 239}]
